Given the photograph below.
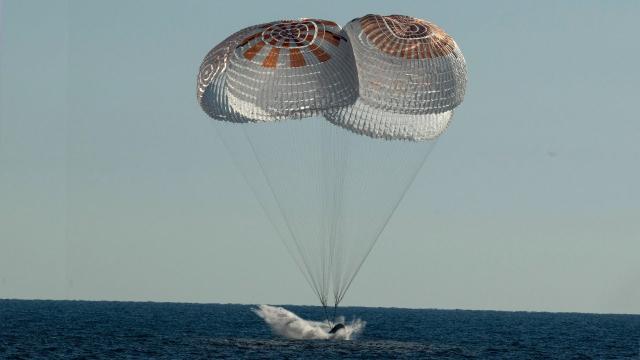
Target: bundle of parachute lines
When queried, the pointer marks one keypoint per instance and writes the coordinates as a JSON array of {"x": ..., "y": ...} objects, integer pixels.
[{"x": 394, "y": 77}]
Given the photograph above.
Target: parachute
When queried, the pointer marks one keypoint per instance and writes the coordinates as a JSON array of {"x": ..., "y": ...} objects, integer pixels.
[{"x": 330, "y": 127}]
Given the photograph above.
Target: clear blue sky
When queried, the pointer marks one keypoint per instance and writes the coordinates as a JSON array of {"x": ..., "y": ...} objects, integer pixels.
[{"x": 114, "y": 186}]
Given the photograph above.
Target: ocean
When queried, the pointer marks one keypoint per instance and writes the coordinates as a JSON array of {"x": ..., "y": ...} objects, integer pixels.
[{"x": 40, "y": 329}]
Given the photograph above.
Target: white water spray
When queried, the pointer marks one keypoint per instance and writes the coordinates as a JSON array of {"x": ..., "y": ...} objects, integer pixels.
[{"x": 285, "y": 323}]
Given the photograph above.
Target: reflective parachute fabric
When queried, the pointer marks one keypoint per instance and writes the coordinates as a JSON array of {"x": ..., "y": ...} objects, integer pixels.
[
  {"x": 411, "y": 76},
  {"x": 291, "y": 69},
  {"x": 211, "y": 92},
  {"x": 285, "y": 69}
]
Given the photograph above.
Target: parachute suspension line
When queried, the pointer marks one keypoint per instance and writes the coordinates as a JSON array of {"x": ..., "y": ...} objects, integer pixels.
[
  {"x": 306, "y": 271},
  {"x": 261, "y": 202},
  {"x": 315, "y": 286},
  {"x": 330, "y": 171},
  {"x": 333, "y": 194},
  {"x": 321, "y": 188},
  {"x": 392, "y": 159},
  {"x": 326, "y": 314},
  {"x": 412, "y": 178},
  {"x": 339, "y": 155},
  {"x": 330, "y": 189}
]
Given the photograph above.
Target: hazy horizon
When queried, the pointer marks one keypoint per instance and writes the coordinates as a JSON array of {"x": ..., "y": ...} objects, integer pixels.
[{"x": 319, "y": 306}]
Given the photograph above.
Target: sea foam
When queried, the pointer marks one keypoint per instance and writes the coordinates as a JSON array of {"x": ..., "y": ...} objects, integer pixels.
[{"x": 285, "y": 323}]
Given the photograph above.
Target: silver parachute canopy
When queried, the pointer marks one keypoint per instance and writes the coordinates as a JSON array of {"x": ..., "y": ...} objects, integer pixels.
[{"x": 390, "y": 83}]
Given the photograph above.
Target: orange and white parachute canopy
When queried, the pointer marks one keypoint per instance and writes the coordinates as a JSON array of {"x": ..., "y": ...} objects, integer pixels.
[
  {"x": 393, "y": 77},
  {"x": 285, "y": 69},
  {"x": 411, "y": 76}
]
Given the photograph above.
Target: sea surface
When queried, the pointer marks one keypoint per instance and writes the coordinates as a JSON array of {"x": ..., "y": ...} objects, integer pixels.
[{"x": 32, "y": 329}]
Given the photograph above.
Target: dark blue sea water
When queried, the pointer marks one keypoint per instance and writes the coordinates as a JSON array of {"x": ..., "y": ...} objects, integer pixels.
[{"x": 113, "y": 330}]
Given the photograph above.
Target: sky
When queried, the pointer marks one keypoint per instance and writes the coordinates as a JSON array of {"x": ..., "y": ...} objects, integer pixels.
[{"x": 114, "y": 185}]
